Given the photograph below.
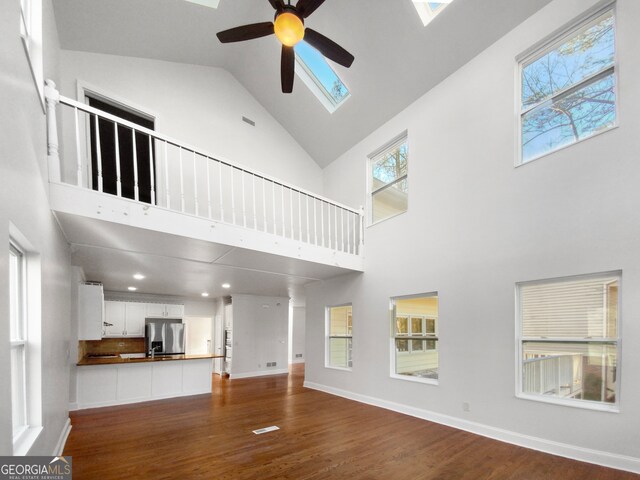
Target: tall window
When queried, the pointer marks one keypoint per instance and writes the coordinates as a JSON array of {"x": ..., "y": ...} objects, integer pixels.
[
  {"x": 31, "y": 33},
  {"x": 339, "y": 336},
  {"x": 568, "y": 89},
  {"x": 18, "y": 330},
  {"x": 388, "y": 181},
  {"x": 415, "y": 337},
  {"x": 569, "y": 340}
]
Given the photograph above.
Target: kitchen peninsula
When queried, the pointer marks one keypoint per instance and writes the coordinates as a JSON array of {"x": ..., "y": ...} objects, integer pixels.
[{"x": 114, "y": 380}]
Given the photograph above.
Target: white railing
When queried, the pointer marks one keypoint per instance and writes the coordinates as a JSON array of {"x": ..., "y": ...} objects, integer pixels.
[
  {"x": 558, "y": 375},
  {"x": 182, "y": 178}
]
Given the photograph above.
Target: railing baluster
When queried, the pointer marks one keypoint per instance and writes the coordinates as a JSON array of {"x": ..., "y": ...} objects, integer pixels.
[
  {"x": 195, "y": 185},
  {"x": 273, "y": 201},
  {"x": 207, "y": 161},
  {"x": 253, "y": 197},
  {"x": 315, "y": 222},
  {"x": 136, "y": 193},
  {"x": 299, "y": 216},
  {"x": 233, "y": 198},
  {"x": 306, "y": 204},
  {"x": 166, "y": 175},
  {"x": 284, "y": 228},
  {"x": 335, "y": 220},
  {"x": 220, "y": 191},
  {"x": 322, "y": 220},
  {"x": 291, "y": 211},
  {"x": 151, "y": 172},
  {"x": 181, "y": 180},
  {"x": 348, "y": 232},
  {"x": 78, "y": 156},
  {"x": 98, "y": 154},
  {"x": 264, "y": 203},
  {"x": 244, "y": 203},
  {"x": 118, "y": 179},
  {"x": 342, "y": 230}
]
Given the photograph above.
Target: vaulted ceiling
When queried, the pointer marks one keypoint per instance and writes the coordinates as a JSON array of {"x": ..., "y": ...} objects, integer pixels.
[{"x": 397, "y": 58}]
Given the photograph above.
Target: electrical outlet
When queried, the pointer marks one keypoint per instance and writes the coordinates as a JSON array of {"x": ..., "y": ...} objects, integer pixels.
[
  {"x": 298, "y": 355},
  {"x": 466, "y": 407}
]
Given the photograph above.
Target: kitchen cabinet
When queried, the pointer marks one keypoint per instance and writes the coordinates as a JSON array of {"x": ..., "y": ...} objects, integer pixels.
[
  {"x": 165, "y": 310},
  {"x": 114, "y": 317},
  {"x": 126, "y": 319},
  {"x": 90, "y": 311}
]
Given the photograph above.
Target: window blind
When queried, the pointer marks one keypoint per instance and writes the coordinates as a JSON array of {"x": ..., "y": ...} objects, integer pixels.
[{"x": 585, "y": 308}]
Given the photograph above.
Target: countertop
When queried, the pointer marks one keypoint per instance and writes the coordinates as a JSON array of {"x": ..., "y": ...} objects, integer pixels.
[{"x": 118, "y": 360}]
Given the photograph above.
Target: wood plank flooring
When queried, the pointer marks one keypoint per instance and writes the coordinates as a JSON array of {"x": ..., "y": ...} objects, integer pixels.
[{"x": 321, "y": 437}]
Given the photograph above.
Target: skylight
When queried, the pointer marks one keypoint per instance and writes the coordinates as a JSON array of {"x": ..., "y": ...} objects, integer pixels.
[
  {"x": 429, "y": 10},
  {"x": 321, "y": 79}
]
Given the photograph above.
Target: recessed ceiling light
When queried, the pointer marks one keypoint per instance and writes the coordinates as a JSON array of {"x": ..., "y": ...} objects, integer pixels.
[
  {"x": 226, "y": 285},
  {"x": 138, "y": 276},
  {"x": 204, "y": 294},
  {"x": 133, "y": 289}
]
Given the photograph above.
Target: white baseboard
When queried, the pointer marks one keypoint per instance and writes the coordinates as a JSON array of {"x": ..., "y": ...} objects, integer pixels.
[
  {"x": 261, "y": 373},
  {"x": 598, "y": 457},
  {"x": 298, "y": 360},
  {"x": 73, "y": 406},
  {"x": 62, "y": 440}
]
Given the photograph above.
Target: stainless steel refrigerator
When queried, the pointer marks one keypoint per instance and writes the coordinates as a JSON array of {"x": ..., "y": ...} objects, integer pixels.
[{"x": 164, "y": 335}]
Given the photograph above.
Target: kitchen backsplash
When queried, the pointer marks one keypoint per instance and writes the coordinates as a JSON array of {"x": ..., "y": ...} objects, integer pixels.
[{"x": 110, "y": 345}]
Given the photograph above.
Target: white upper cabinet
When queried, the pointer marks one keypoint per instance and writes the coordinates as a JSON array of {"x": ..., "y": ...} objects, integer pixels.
[
  {"x": 165, "y": 310},
  {"x": 90, "y": 312},
  {"x": 114, "y": 317},
  {"x": 135, "y": 314}
]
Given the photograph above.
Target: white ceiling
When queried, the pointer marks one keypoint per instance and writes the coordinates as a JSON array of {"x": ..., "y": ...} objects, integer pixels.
[
  {"x": 180, "y": 266},
  {"x": 397, "y": 58}
]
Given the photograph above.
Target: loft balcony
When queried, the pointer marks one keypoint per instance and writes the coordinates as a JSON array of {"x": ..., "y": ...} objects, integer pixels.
[{"x": 113, "y": 175}]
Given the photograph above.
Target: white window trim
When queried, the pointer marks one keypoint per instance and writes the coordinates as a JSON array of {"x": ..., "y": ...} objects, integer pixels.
[
  {"x": 328, "y": 337},
  {"x": 392, "y": 340},
  {"x": 371, "y": 158},
  {"x": 31, "y": 35},
  {"x": 575, "y": 403},
  {"x": 23, "y": 442},
  {"x": 549, "y": 43}
]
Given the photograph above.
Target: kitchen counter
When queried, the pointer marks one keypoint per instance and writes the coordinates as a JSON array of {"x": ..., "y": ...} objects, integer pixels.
[{"x": 158, "y": 358}]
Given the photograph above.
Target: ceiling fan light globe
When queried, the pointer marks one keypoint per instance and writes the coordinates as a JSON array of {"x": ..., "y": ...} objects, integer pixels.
[{"x": 289, "y": 29}]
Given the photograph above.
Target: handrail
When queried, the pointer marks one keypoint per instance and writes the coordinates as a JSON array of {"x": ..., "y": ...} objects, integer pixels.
[{"x": 120, "y": 121}]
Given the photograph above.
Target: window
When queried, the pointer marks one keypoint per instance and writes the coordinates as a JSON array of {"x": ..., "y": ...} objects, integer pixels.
[
  {"x": 321, "y": 79},
  {"x": 568, "y": 90},
  {"x": 569, "y": 340},
  {"x": 339, "y": 336},
  {"x": 415, "y": 337},
  {"x": 388, "y": 180},
  {"x": 429, "y": 10},
  {"x": 17, "y": 320},
  {"x": 31, "y": 34},
  {"x": 24, "y": 341}
]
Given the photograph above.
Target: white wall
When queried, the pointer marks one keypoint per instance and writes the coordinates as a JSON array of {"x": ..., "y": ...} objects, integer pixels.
[
  {"x": 475, "y": 226},
  {"x": 201, "y": 106},
  {"x": 298, "y": 334},
  {"x": 23, "y": 202},
  {"x": 260, "y": 335}
]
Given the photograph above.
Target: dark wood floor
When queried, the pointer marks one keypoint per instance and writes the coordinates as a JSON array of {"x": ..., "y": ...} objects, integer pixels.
[{"x": 321, "y": 437}]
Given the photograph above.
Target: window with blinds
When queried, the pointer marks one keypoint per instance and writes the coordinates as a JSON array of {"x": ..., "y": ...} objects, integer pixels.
[
  {"x": 569, "y": 339},
  {"x": 339, "y": 337}
]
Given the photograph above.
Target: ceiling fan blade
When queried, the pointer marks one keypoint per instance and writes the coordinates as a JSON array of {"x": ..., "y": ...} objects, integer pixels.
[
  {"x": 307, "y": 7},
  {"x": 287, "y": 69},
  {"x": 328, "y": 48},
  {"x": 246, "y": 32},
  {"x": 277, "y": 4}
]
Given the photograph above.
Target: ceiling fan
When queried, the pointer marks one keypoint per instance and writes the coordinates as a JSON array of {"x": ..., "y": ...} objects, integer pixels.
[{"x": 288, "y": 26}]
